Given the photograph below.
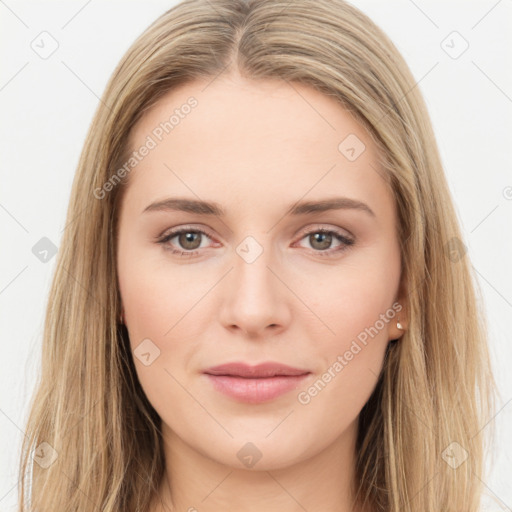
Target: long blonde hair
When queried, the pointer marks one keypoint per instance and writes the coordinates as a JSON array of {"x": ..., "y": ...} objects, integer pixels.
[{"x": 90, "y": 424}]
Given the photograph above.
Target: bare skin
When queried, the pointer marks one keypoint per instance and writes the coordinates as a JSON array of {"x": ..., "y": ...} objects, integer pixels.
[{"x": 256, "y": 149}]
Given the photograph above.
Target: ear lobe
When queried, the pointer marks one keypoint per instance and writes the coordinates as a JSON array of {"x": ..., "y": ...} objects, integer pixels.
[
  {"x": 400, "y": 322},
  {"x": 401, "y": 319},
  {"x": 397, "y": 327}
]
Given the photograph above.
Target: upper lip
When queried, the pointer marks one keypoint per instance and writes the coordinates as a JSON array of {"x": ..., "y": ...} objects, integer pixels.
[{"x": 268, "y": 369}]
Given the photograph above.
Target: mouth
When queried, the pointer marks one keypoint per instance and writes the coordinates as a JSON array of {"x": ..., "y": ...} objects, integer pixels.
[{"x": 255, "y": 384}]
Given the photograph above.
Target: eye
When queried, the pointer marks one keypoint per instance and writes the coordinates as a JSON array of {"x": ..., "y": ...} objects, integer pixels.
[
  {"x": 187, "y": 238},
  {"x": 321, "y": 240}
]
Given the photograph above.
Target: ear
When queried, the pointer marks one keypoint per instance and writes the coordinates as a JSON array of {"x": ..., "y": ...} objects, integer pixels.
[{"x": 400, "y": 307}]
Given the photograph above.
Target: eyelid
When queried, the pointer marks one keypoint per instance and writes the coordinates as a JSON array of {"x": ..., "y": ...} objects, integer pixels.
[
  {"x": 179, "y": 229},
  {"x": 326, "y": 227}
]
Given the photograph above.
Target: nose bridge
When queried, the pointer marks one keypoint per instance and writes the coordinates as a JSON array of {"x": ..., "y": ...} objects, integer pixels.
[
  {"x": 251, "y": 273},
  {"x": 255, "y": 297}
]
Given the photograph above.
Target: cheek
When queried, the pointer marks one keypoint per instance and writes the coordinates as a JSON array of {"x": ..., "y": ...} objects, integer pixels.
[
  {"x": 158, "y": 297},
  {"x": 352, "y": 299},
  {"x": 356, "y": 304},
  {"x": 159, "y": 306},
  {"x": 159, "y": 310},
  {"x": 351, "y": 360}
]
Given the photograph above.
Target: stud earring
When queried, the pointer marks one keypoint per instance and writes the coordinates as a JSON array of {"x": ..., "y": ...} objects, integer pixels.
[{"x": 399, "y": 326}]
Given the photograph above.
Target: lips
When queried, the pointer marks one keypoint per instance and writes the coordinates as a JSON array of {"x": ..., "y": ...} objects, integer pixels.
[
  {"x": 262, "y": 370},
  {"x": 255, "y": 384}
]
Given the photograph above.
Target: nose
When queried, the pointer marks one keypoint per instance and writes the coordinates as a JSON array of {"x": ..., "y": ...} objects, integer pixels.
[{"x": 255, "y": 301}]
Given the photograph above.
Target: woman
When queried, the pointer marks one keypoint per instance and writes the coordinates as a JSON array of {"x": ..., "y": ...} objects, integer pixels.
[{"x": 262, "y": 300}]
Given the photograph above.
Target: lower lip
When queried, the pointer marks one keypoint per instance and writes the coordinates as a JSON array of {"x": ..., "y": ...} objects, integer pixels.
[{"x": 255, "y": 391}]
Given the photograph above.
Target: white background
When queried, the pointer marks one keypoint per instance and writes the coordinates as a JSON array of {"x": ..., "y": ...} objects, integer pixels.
[{"x": 47, "y": 106}]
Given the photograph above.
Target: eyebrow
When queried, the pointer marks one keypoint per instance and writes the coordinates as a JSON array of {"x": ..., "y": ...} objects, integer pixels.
[{"x": 300, "y": 208}]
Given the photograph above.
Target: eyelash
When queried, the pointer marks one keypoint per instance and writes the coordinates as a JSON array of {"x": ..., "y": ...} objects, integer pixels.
[{"x": 347, "y": 242}]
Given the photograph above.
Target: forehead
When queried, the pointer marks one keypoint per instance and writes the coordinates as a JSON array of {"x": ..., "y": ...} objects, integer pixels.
[{"x": 239, "y": 139}]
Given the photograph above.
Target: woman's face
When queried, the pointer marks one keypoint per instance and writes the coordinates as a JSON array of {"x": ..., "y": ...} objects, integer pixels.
[{"x": 258, "y": 282}]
